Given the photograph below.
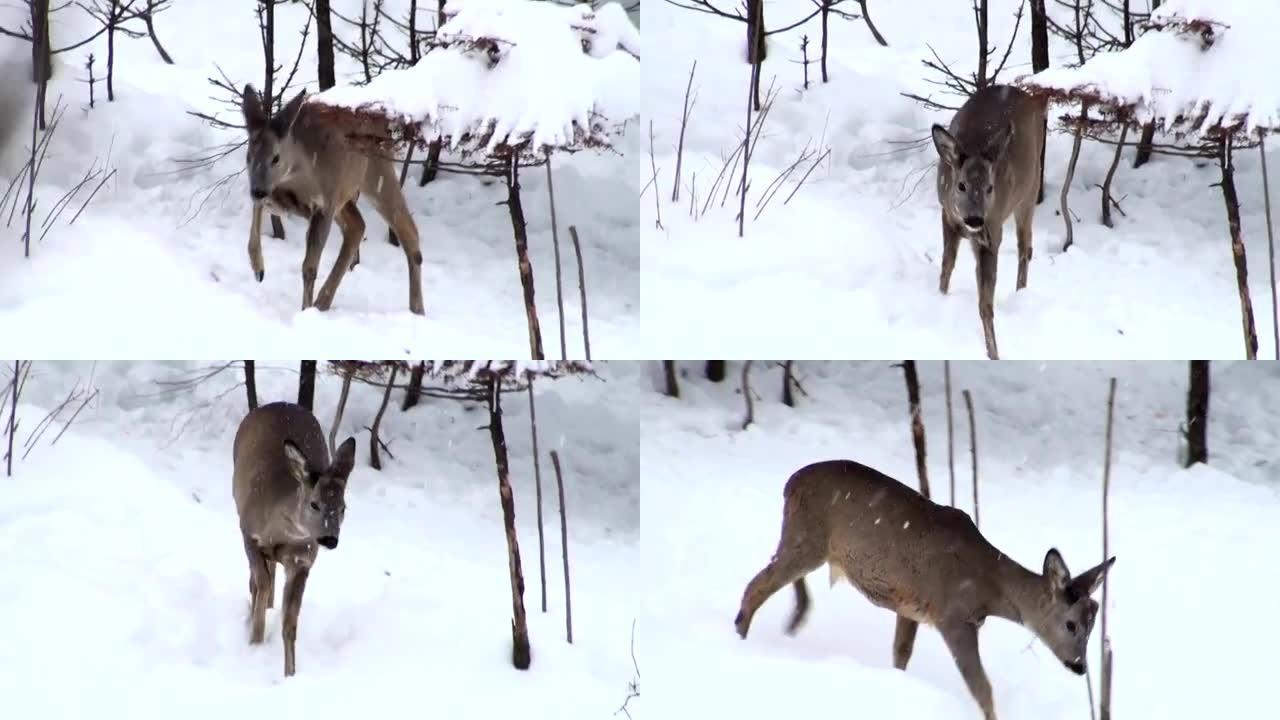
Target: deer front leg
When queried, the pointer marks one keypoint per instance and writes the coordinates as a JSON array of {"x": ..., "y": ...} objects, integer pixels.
[
  {"x": 986, "y": 262},
  {"x": 352, "y": 225},
  {"x": 962, "y": 640},
  {"x": 950, "y": 245},
  {"x": 255, "y": 242},
  {"x": 294, "y": 585},
  {"x": 259, "y": 585},
  {"x": 904, "y": 640},
  {"x": 317, "y": 235}
]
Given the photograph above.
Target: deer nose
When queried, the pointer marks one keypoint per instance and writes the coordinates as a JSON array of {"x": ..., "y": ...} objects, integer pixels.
[
  {"x": 328, "y": 541},
  {"x": 973, "y": 222},
  {"x": 1076, "y": 666},
  {"x": 260, "y": 194}
]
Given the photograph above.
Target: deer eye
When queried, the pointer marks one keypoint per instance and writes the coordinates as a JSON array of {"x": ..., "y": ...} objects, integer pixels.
[
  {"x": 1072, "y": 627},
  {"x": 316, "y": 506},
  {"x": 962, "y": 187},
  {"x": 990, "y": 188},
  {"x": 275, "y": 159}
]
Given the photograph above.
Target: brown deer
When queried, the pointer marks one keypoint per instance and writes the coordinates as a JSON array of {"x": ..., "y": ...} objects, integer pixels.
[
  {"x": 298, "y": 164},
  {"x": 290, "y": 498},
  {"x": 989, "y": 169},
  {"x": 926, "y": 562}
]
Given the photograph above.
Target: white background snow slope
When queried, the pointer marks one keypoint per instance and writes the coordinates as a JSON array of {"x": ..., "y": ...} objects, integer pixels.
[
  {"x": 1194, "y": 547},
  {"x": 124, "y": 591},
  {"x": 136, "y": 276},
  {"x": 849, "y": 268}
]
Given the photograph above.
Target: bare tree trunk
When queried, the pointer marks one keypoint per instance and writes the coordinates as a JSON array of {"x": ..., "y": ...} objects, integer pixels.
[
  {"x": 251, "y": 384},
  {"x": 756, "y": 50},
  {"x": 1198, "y": 413},
  {"x": 746, "y": 395},
  {"x": 1066, "y": 182},
  {"x": 1111, "y": 173},
  {"x": 13, "y": 416},
  {"x": 582, "y": 291},
  {"x": 980, "y": 17},
  {"x": 149, "y": 20},
  {"x": 1106, "y": 552},
  {"x": 788, "y": 395},
  {"x": 537, "y": 485},
  {"x": 826, "y": 10},
  {"x": 917, "y": 424},
  {"x": 268, "y": 83},
  {"x": 112, "y": 19},
  {"x": 1237, "y": 249},
  {"x": 866, "y": 18},
  {"x": 555, "y": 244},
  {"x": 951, "y": 445},
  {"x": 715, "y": 370},
  {"x": 41, "y": 48},
  {"x": 307, "y": 384},
  {"x": 669, "y": 372},
  {"x": 1040, "y": 61},
  {"x": 348, "y": 372},
  {"x": 564, "y": 550},
  {"x": 1271, "y": 244},
  {"x": 375, "y": 458},
  {"x": 413, "y": 393},
  {"x": 522, "y": 256},
  {"x": 973, "y": 453},
  {"x": 324, "y": 45},
  {"x": 1143, "y": 155},
  {"x": 520, "y": 652}
]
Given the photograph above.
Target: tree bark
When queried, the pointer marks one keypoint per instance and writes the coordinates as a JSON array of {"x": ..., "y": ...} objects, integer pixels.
[
  {"x": 520, "y": 231},
  {"x": 324, "y": 45},
  {"x": 1237, "y": 249},
  {"x": 1040, "y": 61},
  {"x": 1111, "y": 173},
  {"x": 251, "y": 384},
  {"x": 537, "y": 485},
  {"x": 788, "y": 380},
  {"x": 1198, "y": 413},
  {"x": 348, "y": 372},
  {"x": 715, "y": 370},
  {"x": 1066, "y": 182},
  {"x": 375, "y": 457},
  {"x": 564, "y": 549},
  {"x": 672, "y": 383},
  {"x": 917, "y": 424},
  {"x": 149, "y": 20},
  {"x": 746, "y": 395},
  {"x": 520, "y": 651},
  {"x": 41, "y": 47},
  {"x": 307, "y": 384},
  {"x": 413, "y": 393}
]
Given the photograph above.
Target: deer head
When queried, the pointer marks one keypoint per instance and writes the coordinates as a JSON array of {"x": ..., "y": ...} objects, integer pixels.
[
  {"x": 321, "y": 501},
  {"x": 273, "y": 154},
  {"x": 1062, "y": 617},
  {"x": 968, "y": 184}
]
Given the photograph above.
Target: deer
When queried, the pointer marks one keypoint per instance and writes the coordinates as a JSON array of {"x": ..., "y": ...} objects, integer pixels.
[
  {"x": 989, "y": 169},
  {"x": 290, "y": 497},
  {"x": 299, "y": 164},
  {"x": 925, "y": 562}
]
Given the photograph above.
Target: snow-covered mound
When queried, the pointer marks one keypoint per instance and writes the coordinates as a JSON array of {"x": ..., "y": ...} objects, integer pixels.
[
  {"x": 1201, "y": 65},
  {"x": 509, "y": 73}
]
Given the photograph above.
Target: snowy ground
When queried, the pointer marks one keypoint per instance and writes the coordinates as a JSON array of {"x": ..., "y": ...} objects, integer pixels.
[
  {"x": 151, "y": 265},
  {"x": 857, "y": 251},
  {"x": 1186, "y": 540},
  {"x": 124, "y": 591}
]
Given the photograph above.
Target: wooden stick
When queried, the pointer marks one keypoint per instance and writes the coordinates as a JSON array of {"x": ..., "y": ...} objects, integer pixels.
[
  {"x": 582, "y": 290},
  {"x": 973, "y": 453},
  {"x": 537, "y": 485},
  {"x": 564, "y": 547},
  {"x": 1271, "y": 244},
  {"x": 521, "y": 655},
  {"x": 951, "y": 444},
  {"x": 347, "y": 373},
  {"x": 746, "y": 395},
  {"x": 555, "y": 244},
  {"x": 374, "y": 459},
  {"x": 917, "y": 425}
]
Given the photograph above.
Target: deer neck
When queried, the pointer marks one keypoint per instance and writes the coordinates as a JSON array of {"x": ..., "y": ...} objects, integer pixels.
[{"x": 1018, "y": 591}]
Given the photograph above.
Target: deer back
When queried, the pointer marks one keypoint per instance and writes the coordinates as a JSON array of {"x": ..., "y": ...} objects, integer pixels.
[
  {"x": 905, "y": 553},
  {"x": 267, "y": 492}
]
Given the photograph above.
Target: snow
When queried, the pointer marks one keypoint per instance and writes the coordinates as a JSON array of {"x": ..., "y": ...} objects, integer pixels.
[
  {"x": 849, "y": 266},
  {"x": 533, "y": 83},
  {"x": 1168, "y": 74},
  {"x": 157, "y": 261},
  {"x": 1189, "y": 543},
  {"x": 124, "y": 591}
]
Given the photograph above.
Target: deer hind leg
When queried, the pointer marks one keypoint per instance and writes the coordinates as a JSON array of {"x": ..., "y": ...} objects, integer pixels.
[
  {"x": 950, "y": 246},
  {"x": 1023, "y": 217},
  {"x": 986, "y": 262},
  {"x": 962, "y": 641},
  {"x": 317, "y": 235},
  {"x": 383, "y": 189},
  {"x": 259, "y": 589},
  {"x": 255, "y": 242},
  {"x": 352, "y": 225},
  {"x": 793, "y": 560},
  {"x": 904, "y": 640},
  {"x": 271, "y": 584},
  {"x": 294, "y": 585}
]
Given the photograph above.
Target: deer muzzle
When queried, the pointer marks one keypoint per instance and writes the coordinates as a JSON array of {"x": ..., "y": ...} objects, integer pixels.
[
  {"x": 329, "y": 542},
  {"x": 973, "y": 222},
  {"x": 1076, "y": 666}
]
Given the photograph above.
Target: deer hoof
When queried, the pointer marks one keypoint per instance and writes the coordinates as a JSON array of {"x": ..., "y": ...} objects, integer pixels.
[{"x": 259, "y": 274}]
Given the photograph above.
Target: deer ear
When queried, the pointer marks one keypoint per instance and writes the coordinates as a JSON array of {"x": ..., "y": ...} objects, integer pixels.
[
  {"x": 288, "y": 115},
  {"x": 1055, "y": 569},
  {"x": 344, "y": 459},
  {"x": 297, "y": 461},
  {"x": 251, "y": 105},
  {"x": 945, "y": 142},
  {"x": 1088, "y": 582},
  {"x": 999, "y": 141}
]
